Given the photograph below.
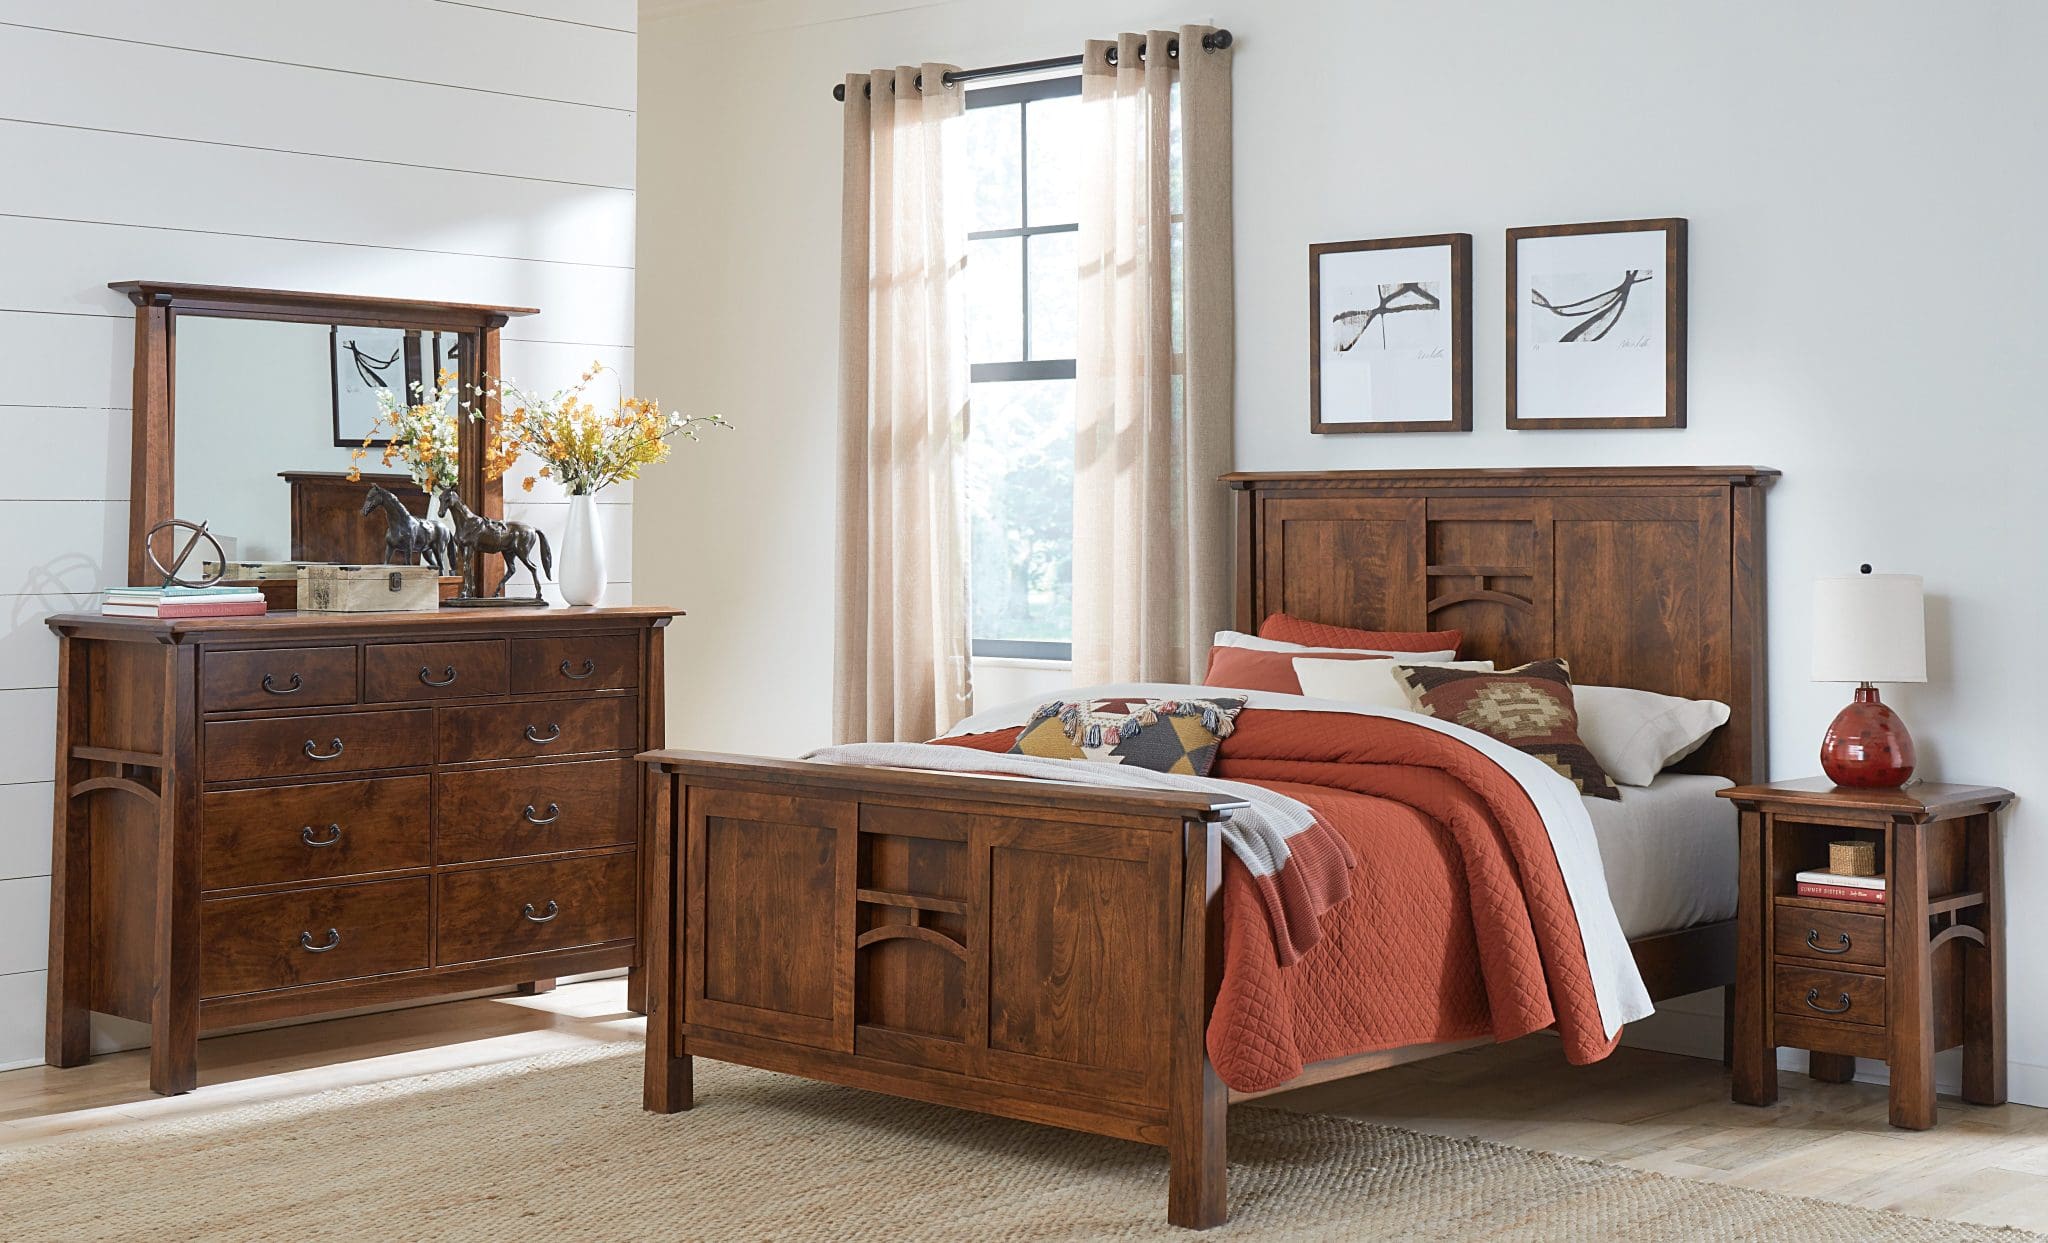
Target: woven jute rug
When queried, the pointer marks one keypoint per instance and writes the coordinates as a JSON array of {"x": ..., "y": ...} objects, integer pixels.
[{"x": 555, "y": 1147}]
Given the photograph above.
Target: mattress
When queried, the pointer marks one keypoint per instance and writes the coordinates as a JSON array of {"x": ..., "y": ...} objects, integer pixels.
[{"x": 1668, "y": 850}]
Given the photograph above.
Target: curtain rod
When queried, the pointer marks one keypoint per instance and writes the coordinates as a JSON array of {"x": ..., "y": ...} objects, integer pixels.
[{"x": 1214, "y": 41}]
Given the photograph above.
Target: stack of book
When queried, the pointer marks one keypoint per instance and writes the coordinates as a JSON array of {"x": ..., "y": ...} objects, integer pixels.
[
  {"x": 1841, "y": 887},
  {"x": 182, "y": 602}
]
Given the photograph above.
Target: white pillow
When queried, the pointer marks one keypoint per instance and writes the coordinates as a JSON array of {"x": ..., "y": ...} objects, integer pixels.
[
  {"x": 1252, "y": 642},
  {"x": 1376, "y": 683},
  {"x": 1637, "y": 734}
]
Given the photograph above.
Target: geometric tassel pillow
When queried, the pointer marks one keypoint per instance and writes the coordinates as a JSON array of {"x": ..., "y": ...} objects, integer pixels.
[
  {"x": 1530, "y": 708},
  {"x": 1164, "y": 735}
]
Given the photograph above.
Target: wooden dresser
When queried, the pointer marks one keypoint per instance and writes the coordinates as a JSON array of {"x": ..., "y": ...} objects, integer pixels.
[{"x": 271, "y": 817}]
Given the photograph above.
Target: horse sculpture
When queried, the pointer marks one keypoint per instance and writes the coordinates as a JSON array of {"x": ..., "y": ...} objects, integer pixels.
[
  {"x": 408, "y": 535},
  {"x": 476, "y": 535}
]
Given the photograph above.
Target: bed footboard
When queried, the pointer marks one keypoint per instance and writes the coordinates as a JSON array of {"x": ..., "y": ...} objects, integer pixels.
[{"x": 1038, "y": 951}]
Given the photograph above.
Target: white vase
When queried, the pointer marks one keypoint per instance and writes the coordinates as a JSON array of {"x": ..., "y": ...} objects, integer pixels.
[{"x": 581, "y": 573}]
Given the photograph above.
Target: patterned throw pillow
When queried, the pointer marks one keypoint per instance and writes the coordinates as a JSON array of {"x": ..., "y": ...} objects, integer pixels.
[
  {"x": 1164, "y": 735},
  {"x": 1530, "y": 708}
]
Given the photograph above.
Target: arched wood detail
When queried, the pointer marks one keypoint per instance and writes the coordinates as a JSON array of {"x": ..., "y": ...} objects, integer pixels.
[
  {"x": 1486, "y": 596},
  {"x": 911, "y": 932},
  {"x": 123, "y": 784}
]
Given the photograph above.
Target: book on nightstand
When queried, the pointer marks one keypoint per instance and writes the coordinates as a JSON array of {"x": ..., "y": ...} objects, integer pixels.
[{"x": 1841, "y": 887}]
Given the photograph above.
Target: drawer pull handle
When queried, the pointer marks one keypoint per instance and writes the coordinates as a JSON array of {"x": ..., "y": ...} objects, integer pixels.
[
  {"x": 333, "y": 836},
  {"x": 306, "y": 941},
  {"x": 313, "y": 754},
  {"x": 554, "y": 732},
  {"x": 447, "y": 676},
  {"x": 293, "y": 689},
  {"x": 589, "y": 667},
  {"x": 1813, "y": 942},
  {"x": 553, "y": 911},
  {"x": 1813, "y": 1002},
  {"x": 554, "y": 813}
]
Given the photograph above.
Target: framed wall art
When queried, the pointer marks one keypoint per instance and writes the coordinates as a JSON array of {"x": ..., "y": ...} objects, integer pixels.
[
  {"x": 366, "y": 361},
  {"x": 1596, "y": 325},
  {"x": 1390, "y": 335}
]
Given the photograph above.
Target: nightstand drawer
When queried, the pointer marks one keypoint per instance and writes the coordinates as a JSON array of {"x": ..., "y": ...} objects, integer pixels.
[
  {"x": 1809, "y": 932},
  {"x": 1830, "y": 996}
]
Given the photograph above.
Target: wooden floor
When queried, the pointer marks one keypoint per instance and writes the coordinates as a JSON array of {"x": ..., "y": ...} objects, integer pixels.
[{"x": 1649, "y": 1111}]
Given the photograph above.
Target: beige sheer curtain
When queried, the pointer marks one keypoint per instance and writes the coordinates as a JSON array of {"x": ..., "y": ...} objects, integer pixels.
[
  {"x": 1152, "y": 526},
  {"x": 902, "y": 666}
]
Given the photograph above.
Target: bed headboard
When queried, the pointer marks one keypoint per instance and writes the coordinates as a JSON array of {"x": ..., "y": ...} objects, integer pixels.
[{"x": 1643, "y": 576}]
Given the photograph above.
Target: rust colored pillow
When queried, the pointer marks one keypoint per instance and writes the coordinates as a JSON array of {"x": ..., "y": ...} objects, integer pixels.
[
  {"x": 1249, "y": 669},
  {"x": 1529, "y": 707},
  {"x": 1316, "y": 634}
]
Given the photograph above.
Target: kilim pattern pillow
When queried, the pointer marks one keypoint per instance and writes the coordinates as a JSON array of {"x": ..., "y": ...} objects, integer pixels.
[
  {"x": 1164, "y": 735},
  {"x": 1530, "y": 708}
]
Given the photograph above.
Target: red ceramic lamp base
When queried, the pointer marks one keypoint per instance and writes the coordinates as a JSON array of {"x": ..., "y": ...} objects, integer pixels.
[{"x": 1867, "y": 745}]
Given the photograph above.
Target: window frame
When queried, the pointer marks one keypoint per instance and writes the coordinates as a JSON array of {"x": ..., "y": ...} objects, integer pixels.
[{"x": 1026, "y": 368}]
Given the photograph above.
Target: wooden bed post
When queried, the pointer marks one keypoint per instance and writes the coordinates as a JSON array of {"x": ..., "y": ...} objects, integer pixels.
[
  {"x": 667, "y": 1088},
  {"x": 1197, "y": 1102}
]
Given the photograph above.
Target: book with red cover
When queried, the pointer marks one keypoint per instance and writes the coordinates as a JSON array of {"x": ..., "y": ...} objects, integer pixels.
[
  {"x": 224, "y": 608},
  {"x": 1843, "y": 893}
]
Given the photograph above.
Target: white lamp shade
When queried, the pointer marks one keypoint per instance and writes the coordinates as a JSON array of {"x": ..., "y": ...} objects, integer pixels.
[{"x": 1869, "y": 628}]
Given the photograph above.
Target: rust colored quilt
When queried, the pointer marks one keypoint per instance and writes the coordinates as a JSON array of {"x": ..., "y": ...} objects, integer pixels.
[{"x": 1458, "y": 924}]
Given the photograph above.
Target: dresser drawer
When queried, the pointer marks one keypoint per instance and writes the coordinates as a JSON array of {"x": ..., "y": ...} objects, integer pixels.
[
  {"x": 410, "y": 672},
  {"x": 1830, "y": 996},
  {"x": 575, "y": 663},
  {"x": 311, "y": 936},
  {"x": 500, "y": 813},
  {"x": 277, "y": 677},
  {"x": 302, "y": 746},
  {"x": 314, "y": 832},
  {"x": 519, "y": 731},
  {"x": 1809, "y": 932},
  {"x": 527, "y": 908}
]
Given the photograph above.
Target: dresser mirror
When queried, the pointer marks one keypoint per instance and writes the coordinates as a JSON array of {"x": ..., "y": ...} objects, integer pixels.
[
  {"x": 270, "y": 416},
  {"x": 251, "y": 404}
]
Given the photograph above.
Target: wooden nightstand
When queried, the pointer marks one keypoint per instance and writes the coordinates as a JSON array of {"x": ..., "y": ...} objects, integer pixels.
[{"x": 1923, "y": 972}]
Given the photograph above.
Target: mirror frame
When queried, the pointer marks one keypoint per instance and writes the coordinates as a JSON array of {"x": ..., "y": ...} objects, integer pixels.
[{"x": 159, "y": 304}]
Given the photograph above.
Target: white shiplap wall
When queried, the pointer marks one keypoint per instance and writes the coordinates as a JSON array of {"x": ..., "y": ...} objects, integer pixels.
[{"x": 478, "y": 152}]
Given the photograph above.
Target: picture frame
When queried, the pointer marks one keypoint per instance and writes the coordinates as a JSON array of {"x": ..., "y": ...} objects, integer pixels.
[
  {"x": 1585, "y": 348},
  {"x": 1390, "y": 335},
  {"x": 363, "y": 360}
]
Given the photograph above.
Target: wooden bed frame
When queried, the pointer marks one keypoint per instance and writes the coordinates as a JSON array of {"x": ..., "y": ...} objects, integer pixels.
[{"x": 1051, "y": 953}]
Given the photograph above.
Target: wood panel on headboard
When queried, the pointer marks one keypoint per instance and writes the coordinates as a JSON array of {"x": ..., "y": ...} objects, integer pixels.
[{"x": 1650, "y": 577}]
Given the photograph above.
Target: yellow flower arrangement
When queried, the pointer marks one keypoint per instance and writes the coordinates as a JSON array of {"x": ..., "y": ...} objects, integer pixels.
[
  {"x": 422, "y": 436},
  {"x": 585, "y": 447}
]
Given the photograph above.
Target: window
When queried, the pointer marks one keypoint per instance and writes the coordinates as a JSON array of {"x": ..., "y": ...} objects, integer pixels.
[{"x": 1021, "y": 296}]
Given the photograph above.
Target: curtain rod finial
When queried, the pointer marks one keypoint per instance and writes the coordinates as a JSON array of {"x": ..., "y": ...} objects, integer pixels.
[
  {"x": 839, "y": 92},
  {"x": 1217, "y": 40}
]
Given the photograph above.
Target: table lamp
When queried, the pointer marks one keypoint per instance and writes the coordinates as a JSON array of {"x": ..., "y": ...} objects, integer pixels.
[{"x": 1868, "y": 628}]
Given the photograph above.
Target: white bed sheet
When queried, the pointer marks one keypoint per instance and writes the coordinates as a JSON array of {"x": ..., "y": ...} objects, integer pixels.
[{"x": 1669, "y": 852}]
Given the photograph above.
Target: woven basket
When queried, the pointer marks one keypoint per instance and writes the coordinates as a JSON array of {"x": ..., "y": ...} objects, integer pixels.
[{"x": 1857, "y": 858}]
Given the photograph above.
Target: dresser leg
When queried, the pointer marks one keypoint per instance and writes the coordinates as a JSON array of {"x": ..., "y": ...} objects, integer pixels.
[
  {"x": 636, "y": 990},
  {"x": 1831, "y": 1067},
  {"x": 173, "y": 1066},
  {"x": 67, "y": 1027},
  {"x": 534, "y": 988}
]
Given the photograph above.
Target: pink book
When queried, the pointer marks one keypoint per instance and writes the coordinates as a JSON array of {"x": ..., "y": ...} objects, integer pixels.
[{"x": 223, "y": 608}]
